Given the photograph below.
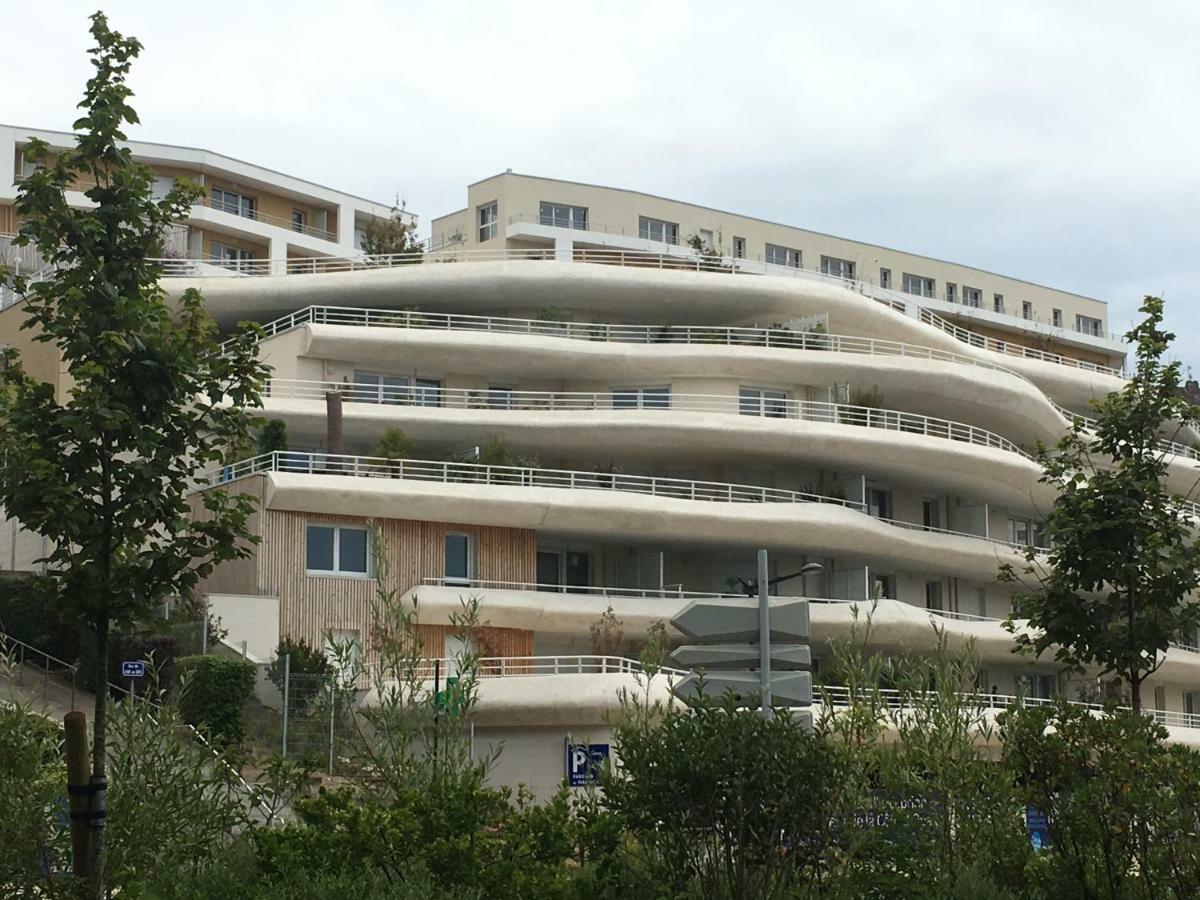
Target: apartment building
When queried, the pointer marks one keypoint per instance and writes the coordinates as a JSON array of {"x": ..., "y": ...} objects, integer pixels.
[
  {"x": 605, "y": 419},
  {"x": 250, "y": 216},
  {"x": 514, "y": 211}
]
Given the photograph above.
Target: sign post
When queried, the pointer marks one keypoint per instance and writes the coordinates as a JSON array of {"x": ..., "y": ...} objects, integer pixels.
[
  {"x": 133, "y": 669},
  {"x": 758, "y": 650}
]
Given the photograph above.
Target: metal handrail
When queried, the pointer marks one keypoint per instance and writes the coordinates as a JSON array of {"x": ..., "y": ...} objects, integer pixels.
[
  {"x": 517, "y": 476},
  {"x": 1173, "y": 447},
  {"x": 734, "y": 336},
  {"x": 279, "y": 222},
  {"x": 663, "y": 593},
  {"x": 23, "y": 650},
  {"x": 567, "y": 401}
]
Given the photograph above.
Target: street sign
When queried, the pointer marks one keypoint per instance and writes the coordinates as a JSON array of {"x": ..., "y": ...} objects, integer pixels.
[
  {"x": 787, "y": 688},
  {"x": 133, "y": 668},
  {"x": 1037, "y": 823},
  {"x": 735, "y": 619},
  {"x": 713, "y": 657},
  {"x": 584, "y": 762}
]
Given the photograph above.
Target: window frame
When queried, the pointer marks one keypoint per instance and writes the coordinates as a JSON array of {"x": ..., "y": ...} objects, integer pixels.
[
  {"x": 739, "y": 247},
  {"x": 845, "y": 267},
  {"x": 667, "y": 232},
  {"x": 928, "y": 285},
  {"x": 645, "y": 396},
  {"x": 490, "y": 229},
  {"x": 234, "y": 202},
  {"x": 572, "y": 220},
  {"x": 299, "y": 220},
  {"x": 471, "y": 560},
  {"x": 753, "y": 400},
  {"x": 337, "y": 571},
  {"x": 972, "y": 297},
  {"x": 792, "y": 257}
]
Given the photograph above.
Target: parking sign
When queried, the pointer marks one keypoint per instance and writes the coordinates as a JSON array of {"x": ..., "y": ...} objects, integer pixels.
[{"x": 584, "y": 762}]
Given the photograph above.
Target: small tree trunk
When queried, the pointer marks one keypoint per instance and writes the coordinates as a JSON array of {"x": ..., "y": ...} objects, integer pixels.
[
  {"x": 99, "y": 752},
  {"x": 1135, "y": 692}
]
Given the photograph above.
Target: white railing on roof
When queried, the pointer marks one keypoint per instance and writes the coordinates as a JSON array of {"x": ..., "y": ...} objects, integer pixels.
[
  {"x": 900, "y": 302},
  {"x": 631, "y": 402},
  {"x": 532, "y": 477}
]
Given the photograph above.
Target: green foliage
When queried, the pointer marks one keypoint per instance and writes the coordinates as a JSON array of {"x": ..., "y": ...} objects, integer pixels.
[
  {"x": 214, "y": 692},
  {"x": 394, "y": 236},
  {"x": 394, "y": 444},
  {"x": 158, "y": 651},
  {"x": 272, "y": 436},
  {"x": 1116, "y": 588},
  {"x": 304, "y": 659},
  {"x": 607, "y": 633},
  {"x": 104, "y": 471},
  {"x": 495, "y": 452},
  {"x": 27, "y": 615}
]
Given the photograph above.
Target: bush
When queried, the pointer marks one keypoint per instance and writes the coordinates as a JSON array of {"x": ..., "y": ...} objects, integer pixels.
[
  {"x": 159, "y": 650},
  {"x": 216, "y": 691},
  {"x": 27, "y": 613},
  {"x": 305, "y": 660}
]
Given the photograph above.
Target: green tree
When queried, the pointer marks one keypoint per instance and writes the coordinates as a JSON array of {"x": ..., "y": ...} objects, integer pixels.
[
  {"x": 394, "y": 444},
  {"x": 272, "y": 436},
  {"x": 104, "y": 471},
  {"x": 1114, "y": 590},
  {"x": 395, "y": 236}
]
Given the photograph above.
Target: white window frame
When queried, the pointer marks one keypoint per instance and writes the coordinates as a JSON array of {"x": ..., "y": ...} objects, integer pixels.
[
  {"x": 642, "y": 396},
  {"x": 883, "y": 509},
  {"x": 925, "y": 286},
  {"x": 235, "y": 203},
  {"x": 765, "y": 402},
  {"x": 575, "y": 217},
  {"x": 1089, "y": 325},
  {"x": 337, "y": 571},
  {"x": 779, "y": 255},
  {"x": 224, "y": 253},
  {"x": 972, "y": 297},
  {"x": 838, "y": 267},
  {"x": 1056, "y": 318},
  {"x": 487, "y": 217},
  {"x": 299, "y": 220},
  {"x": 998, "y": 303},
  {"x": 951, "y": 292},
  {"x": 1026, "y": 310},
  {"x": 659, "y": 230},
  {"x": 739, "y": 247},
  {"x": 885, "y": 278}
]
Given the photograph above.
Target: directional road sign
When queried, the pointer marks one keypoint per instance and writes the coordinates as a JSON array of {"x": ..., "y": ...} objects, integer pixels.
[
  {"x": 735, "y": 619},
  {"x": 712, "y": 657},
  {"x": 787, "y": 688}
]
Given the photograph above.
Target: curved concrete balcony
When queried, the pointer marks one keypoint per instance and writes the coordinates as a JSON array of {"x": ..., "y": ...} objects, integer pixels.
[
  {"x": 932, "y": 451},
  {"x": 611, "y": 506},
  {"x": 598, "y": 286},
  {"x": 965, "y": 389}
]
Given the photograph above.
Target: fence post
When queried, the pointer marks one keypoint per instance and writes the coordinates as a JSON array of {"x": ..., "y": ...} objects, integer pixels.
[
  {"x": 287, "y": 680},
  {"x": 332, "y": 712}
]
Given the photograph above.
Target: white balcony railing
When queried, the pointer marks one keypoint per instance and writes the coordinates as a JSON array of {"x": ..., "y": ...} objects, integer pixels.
[
  {"x": 615, "y": 401},
  {"x": 531, "y": 477},
  {"x": 895, "y": 300},
  {"x": 712, "y": 335},
  {"x": 257, "y": 216},
  {"x": 666, "y": 592},
  {"x": 1173, "y": 448}
]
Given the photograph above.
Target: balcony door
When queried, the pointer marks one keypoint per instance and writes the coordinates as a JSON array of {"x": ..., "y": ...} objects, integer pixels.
[{"x": 562, "y": 568}]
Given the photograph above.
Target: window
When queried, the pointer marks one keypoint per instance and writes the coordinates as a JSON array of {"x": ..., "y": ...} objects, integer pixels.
[
  {"x": 658, "y": 230},
  {"x": 489, "y": 221},
  {"x": 560, "y": 215},
  {"x": 879, "y": 503},
  {"x": 427, "y": 392},
  {"x": 562, "y": 568},
  {"x": 162, "y": 186},
  {"x": 460, "y": 557},
  {"x": 1042, "y": 687},
  {"x": 951, "y": 292},
  {"x": 500, "y": 396},
  {"x": 1056, "y": 318},
  {"x": 918, "y": 284},
  {"x": 232, "y": 257},
  {"x": 762, "y": 402},
  {"x": 1160, "y": 697},
  {"x": 972, "y": 297},
  {"x": 933, "y": 595},
  {"x": 707, "y": 240},
  {"x": 885, "y": 278},
  {"x": 998, "y": 303},
  {"x": 371, "y": 387},
  {"x": 884, "y": 586},
  {"x": 1191, "y": 702},
  {"x": 232, "y": 202},
  {"x": 739, "y": 248},
  {"x": 930, "y": 514},
  {"x": 1026, "y": 310},
  {"x": 336, "y": 550},
  {"x": 657, "y": 397},
  {"x": 842, "y": 268},
  {"x": 1025, "y": 532},
  {"x": 1088, "y": 325},
  {"x": 299, "y": 220},
  {"x": 783, "y": 256}
]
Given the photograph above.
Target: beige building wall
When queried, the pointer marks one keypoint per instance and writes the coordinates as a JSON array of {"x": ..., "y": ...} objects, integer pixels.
[{"x": 617, "y": 211}]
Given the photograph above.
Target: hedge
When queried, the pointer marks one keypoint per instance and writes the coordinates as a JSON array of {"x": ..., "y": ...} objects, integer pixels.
[
  {"x": 161, "y": 649},
  {"x": 28, "y": 614},
  {"x": 217, "y": 688}
]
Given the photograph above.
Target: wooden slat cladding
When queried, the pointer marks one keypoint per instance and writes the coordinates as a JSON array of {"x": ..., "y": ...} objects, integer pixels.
[
  {"x": 311, "y": 605},
  {"x": 239, "y": 576}
]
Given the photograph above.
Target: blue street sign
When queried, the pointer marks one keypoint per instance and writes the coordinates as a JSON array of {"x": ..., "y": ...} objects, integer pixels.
[
  {"x": 133, "y": 668},
  {"x": 1037, "y": 823},
  {"x": 584, "y": 762}
]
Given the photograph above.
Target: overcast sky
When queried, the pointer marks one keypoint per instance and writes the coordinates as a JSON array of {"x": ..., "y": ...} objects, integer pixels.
[{"x": 1053, "y": 141}]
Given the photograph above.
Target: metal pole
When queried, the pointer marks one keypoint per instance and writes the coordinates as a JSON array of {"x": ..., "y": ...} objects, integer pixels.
[
  {"x": 287, "y": 678},
  {"x": 332, "y": 711},
  {"x": 204, "y": 631},
  {"x": 764, "y": 634}
]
